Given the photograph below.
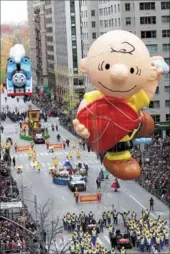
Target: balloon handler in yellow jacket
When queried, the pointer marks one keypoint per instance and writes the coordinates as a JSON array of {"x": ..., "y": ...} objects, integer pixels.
[{"x": 125, "y": 77}]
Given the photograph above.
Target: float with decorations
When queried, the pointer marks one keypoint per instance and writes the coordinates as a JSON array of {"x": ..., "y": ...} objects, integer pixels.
[{"x": 31, "y": 129}]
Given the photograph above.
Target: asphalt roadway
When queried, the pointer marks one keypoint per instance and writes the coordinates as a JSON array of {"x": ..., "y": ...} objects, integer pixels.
[{"x": 130, "y": 196}]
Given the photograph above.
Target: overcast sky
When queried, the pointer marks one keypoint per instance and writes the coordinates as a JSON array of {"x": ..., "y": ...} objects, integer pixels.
[{"x": 13, "y": 11}]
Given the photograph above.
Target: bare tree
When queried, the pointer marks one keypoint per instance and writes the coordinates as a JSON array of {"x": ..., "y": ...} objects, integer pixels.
[{"x": 48, "y": 229}]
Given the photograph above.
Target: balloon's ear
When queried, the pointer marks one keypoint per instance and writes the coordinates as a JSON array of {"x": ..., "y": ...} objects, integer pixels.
[
  {"x": 83, "y": 65},
  {"x": 153, "y": 75}
]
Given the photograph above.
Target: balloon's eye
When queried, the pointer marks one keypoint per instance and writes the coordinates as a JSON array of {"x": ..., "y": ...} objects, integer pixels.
[
  {"x": 107, "y": 66},
  {"x": 132, "y": 70}
]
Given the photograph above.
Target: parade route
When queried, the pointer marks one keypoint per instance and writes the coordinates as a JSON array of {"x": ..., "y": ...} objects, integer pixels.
[{"x": 130, "y": 196}]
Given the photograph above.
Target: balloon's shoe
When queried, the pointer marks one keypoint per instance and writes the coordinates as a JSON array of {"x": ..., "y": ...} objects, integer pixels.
[
  {"x": 124, "y": 169},
  {"x": 147, "y": 126}
]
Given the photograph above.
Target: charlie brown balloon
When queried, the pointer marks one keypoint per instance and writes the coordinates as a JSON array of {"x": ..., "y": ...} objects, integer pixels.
[{"x": 125, "y": 77}]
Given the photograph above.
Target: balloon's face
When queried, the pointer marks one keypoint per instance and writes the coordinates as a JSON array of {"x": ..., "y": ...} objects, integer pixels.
[{"x": 119, "y": 65}]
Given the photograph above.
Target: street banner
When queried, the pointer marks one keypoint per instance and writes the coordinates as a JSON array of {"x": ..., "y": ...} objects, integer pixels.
[
  {"x": 55, "y": 146},
  {"x": 22, "y": 148},
  {"x": 88, "y": 198}
]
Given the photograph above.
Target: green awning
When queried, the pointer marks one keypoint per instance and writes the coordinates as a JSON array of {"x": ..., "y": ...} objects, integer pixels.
[{"x": 45, "y": 88}]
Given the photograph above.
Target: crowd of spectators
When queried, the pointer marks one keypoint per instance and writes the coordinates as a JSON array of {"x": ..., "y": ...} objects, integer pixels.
[
  {"x": 17, "y": 228},
  {"x": 54, "y": 109},
  {"x": 155, "y": 166}
]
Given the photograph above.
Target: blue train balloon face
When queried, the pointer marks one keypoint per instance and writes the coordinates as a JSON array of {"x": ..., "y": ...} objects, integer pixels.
[
  {"x": 19, "y": 75},
  {"x": 19, "y": 79}
]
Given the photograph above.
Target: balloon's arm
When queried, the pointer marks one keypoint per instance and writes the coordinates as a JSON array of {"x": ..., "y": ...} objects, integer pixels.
[
  {"x": 162, "y": 68},
  {"x": 150, "y": 91},
  {"x": 83, "y": 104}
]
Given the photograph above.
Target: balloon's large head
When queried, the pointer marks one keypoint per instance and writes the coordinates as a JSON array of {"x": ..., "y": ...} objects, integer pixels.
[{"x": 119, "y": 65}]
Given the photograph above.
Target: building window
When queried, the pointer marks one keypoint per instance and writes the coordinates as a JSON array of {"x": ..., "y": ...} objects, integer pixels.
[
  {"x": 48, "y": 11},
  {"x": 50, "y": 48},
  {"x": 111, "y": 8},
  {"x": 48, "y": 20},
  {"x": 119, "y": 21},
  {"x": 128, "y": 21},
  {"x": 166, "y": 76},
  {"x": 166, "y": 19},
  {"x": 152, "y": 48},
  {"x": 127, "y": 7},
  {"x": 157, "y": 90},
  {"x": 105, "y": 23},
  {"x": 118, "y": 7},
  {"x": 165, "y": 5},
  {"x": 167, "y": 89},
  {"x": 72, "y": 6},
  {"x": 115, "y": 8},
  {"x": 147, "y": 6},
  {"x": 101, "y": 23},
  {"x": 74, "y": 52},
  {"x": 50, "y": 38},
  {"x": 74, "y": 44},
  {"x": 93, "y": 23},
  {"x": 148, "y": 34},
  {"x": 94, "y": 35},
  {"x": 148, "y": 20},
  {"x": 73, "y": 20},
  {"x": 166, "y": 47},
  {"x": 73, "y": 30},
  {"x": 110, "y": 23},
  {"x": 92, "y": 13},
  {"x": 101, "y": 12},
  {"x": 167, "y": 103},
  {"x": 165, "y": 33},
  {"x": 49, "y": 29},
  {"x": 50, "y": 57},
  {"x": 167, "y": 60},
  {"x": 167, "y": 117},
  {"x": 154, "y": 104},
  {"x": 156, "y": 118}
]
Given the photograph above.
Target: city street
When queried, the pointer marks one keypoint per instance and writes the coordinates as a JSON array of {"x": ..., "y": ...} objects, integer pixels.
[{"x": 130, "y": 196}]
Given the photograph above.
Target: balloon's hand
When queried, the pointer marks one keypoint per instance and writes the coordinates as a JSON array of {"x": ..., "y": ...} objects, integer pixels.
[{"x": 80, "y": 129}]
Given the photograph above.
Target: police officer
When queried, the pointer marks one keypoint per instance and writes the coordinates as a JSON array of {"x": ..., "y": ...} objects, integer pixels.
[
  {"x": 90, "y": 215},
  {"x": 113, "y": 251},
  {"x": 109, "y": 217},
  {"x": 151, "y": 201},
  {"x": 73, "y": 221},
  {"x": 111, "y": 230},
  {"x": 94, "y": 236},
  {"x": 115, "y": 217},
  {"x": 123, "y": 250},
  {"x": 69, "y": 221},
  {"x": 78, "y": 223},
  {"x": 104, "y": 216},
  {"x": 72, "y": 248},
  {"x": 148, "y": 242}
]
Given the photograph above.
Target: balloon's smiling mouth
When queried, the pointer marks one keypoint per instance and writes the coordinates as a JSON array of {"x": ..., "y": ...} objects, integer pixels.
[{"x": 116, "y": 91}]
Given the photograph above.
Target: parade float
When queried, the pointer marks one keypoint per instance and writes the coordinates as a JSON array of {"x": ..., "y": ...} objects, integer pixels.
[
  {"x": 67, "y": 175},
  {"x": 31, "y": 130}
]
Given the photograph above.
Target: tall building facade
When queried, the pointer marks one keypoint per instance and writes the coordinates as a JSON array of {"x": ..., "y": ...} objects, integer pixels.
[
  {"x": 68, "y": 47},
  {"x": 63, "y": 45},
  {"x": 149, "y": 20},
  {"x": 37, "y": 40}
]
